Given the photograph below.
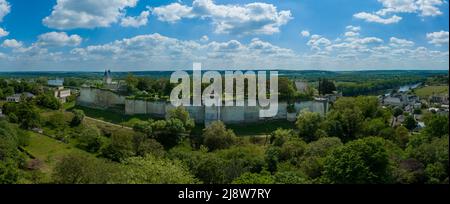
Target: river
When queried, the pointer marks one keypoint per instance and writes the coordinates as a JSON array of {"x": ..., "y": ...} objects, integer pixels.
[
  {"x": 405, "y": 88},
  {"x": 408, "y": 87}
]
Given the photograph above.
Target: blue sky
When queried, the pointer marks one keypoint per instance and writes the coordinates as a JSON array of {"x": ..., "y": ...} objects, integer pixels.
[{"x": 123, "y": 35}]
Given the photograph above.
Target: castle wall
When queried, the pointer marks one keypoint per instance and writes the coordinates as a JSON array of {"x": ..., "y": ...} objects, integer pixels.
[
  {"x": 97, "y": 98},
  {"x": 233, "y": 114}
]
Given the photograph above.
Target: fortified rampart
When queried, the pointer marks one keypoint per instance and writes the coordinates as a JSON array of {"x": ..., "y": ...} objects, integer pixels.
[
  {"x": 103, "y": 99},
  {"x": 99, "y": 98}
]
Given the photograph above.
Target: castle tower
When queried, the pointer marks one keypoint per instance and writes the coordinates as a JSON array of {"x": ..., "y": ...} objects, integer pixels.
[{"x": 107, "y": 79}]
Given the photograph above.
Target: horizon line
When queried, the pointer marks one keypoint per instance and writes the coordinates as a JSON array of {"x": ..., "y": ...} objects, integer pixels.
[{"x": 327, "y": 70}]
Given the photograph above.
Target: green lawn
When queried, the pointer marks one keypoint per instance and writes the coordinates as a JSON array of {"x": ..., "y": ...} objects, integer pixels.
[
  {"x": 427, "y": 91},
  {"x": 49, "y": 151}
]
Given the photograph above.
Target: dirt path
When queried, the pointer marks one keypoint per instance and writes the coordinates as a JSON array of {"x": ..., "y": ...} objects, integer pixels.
[{"x": 108, "y": 123}]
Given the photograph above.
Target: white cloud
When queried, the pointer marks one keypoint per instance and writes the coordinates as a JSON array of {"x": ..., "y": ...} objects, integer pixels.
[
  {"x": 12, "y": 43},
  {"x": 397, "y": 6},
  {"x": 430, "y": 7},
  {"x": 70, "y": 14},
  {"x": 3, "y": 33},
  {"x": 377, "y": 19},
  {"x": 353, "y": 28},
  {"x": 317, "y": 42},
  {"x": 422, "y": 7},
  {"x": 252, "y": 18},
  {"x": 137, "y": 21},
  {"x": 351, "y": 34},
  {"x": 305, "y": 33},
  {"x": 58, "y": 39},
  {"x": 397, "y": 42},
  {"x": 438, "y": 38},
  {"x": 5, "y": 8},
  {"x": 204, "y": 38},
  {"x": 165, "y": 52},
  {"x": 173, "y": 12},
  {"x": 360, "y": 52}
]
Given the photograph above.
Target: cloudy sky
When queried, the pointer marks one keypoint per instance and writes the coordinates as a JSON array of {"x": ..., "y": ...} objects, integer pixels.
[{"x": 125, "y": 35}]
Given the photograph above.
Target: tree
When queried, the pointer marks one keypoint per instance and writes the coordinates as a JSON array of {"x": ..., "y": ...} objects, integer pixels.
[
  {"x": 119, "y": 148},
  {"x": 131, "y": 82},
  {"x": 287, "y": 90},
  {"x": 83, "y": 169},
  {"x": 9, "y": 173},
  {"x": 292, "y": 150},
  {"x": 357, "y": 162},
  {"x": 11, "y": 159},
  {"x": 280, "y": 136},
  {"x": 410, "y": 123},
  {"x": 326, "y": 87},
  {"x": 373, "y": 127},
  {"x": 48, "y": 101},
  {"x": 312, "y": 161},
  {"x": 144, "y": 84},
  {"x": 216, "y": 136},
  {"x": 307, "y": 124},
  {"x": 143, "y": 145},
  {"x": 347, "y": 122},
  {"x": 90, "y": 139},
  {"x": 401, "y": 136},
  {"x": 241, "y": 159},
  {"x": 255, "y": 178},
  {"x": 272, "y": 158},
  {"x": 181, "y": 114},
  {"x": 28, "y": 115},
  {"x": 169, "y": 132},
  {"x": 323, "y": 146},
  {"x": 397, "y": 112},
  {"x": 368, "y": 105},
  {"x": 78, "y": 117},
  {"x": 290, "y": 177},
  {"x": 210, "y": 169},
  {"x": 437, "y": 125},
  {"x": 429, "y": 152},
  {"x": 154, "y": 170},
  {"x": 56, "y": 120},
  {"x": 436, "y": 173}
]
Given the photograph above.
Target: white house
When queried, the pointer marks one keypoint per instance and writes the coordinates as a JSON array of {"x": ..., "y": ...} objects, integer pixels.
[
  {"x": 62, "y": 94},
  {"x": 17, "y": 97}
]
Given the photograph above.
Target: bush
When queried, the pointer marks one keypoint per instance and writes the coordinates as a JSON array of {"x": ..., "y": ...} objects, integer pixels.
[
  {"x": 216, "y": 136},
  {"x": 358, "y": 162}
]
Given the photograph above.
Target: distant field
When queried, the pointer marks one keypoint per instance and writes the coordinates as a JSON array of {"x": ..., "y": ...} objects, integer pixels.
[{"x": 427, "y": 91}]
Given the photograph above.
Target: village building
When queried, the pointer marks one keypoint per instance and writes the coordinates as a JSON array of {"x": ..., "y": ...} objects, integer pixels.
[
  {"x": 62, "y": 94},
  {"x": 392, "y": 101},
  {"x": 18, "y": 97},
  {"x": 57, "y": 86}
]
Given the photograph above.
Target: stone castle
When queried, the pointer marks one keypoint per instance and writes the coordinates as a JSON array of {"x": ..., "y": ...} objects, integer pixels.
[{"x": 107, "y": 98}]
